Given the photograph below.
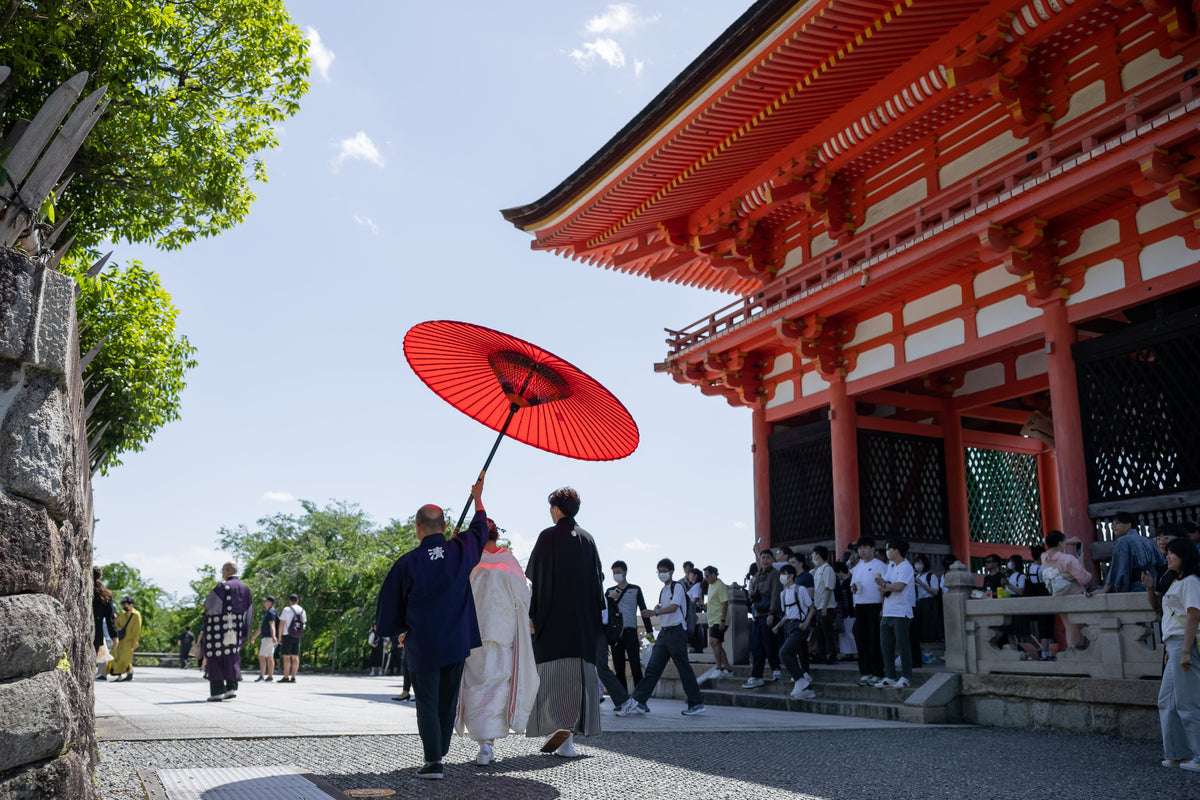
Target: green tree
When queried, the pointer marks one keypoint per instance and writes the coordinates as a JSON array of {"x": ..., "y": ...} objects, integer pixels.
[
  {"x": 196, "y": 93},
  {"x": 335, "y": 559},
  {"x": 138, "y": 375}
]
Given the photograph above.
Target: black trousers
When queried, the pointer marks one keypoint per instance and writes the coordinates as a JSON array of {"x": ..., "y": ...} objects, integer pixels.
[
  {"x": 866, "y": 638},
  {"x": 827, "y": 646},
  {"x": 628, "y": 648},
  {"x": 764, "y": 647},
  {"x": 437, "y": 704},
  {"x": 221, "y": 687}
]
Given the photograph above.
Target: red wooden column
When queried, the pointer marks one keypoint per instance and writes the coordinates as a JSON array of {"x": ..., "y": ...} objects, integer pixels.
[
  {"x": 1048, "y": 486},
  {"x": 1068, "y": 427},
  {"x": 956, "y": 482},
  {"x": 762, "y": 478},
  {"x": 843, "y": 420}
]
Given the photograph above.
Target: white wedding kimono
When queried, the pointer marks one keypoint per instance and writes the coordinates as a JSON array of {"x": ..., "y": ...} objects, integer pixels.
[{"x": 500, "y": 679}]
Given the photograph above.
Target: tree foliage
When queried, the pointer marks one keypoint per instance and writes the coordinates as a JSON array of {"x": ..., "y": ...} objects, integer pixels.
[
  {"x": 334, "y": 558},
  {"x": 148, "y": 598},
  {"x": 196, "y": 89},
  {"x": 138, "y": 375}
]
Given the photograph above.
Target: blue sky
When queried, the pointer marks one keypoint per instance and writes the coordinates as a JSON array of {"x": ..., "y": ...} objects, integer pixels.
[{"x": 382, "y": 211}]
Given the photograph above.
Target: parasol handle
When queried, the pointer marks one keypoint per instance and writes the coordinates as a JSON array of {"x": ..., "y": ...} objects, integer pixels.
[{"x": 511, "y": 413}]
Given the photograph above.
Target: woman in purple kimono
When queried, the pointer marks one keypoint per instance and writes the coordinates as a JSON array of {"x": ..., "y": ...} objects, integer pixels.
[{"x": 228, "y": 617}]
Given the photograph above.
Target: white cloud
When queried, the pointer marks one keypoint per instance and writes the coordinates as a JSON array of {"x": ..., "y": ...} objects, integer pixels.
[
  {"x": 358, "y": 147},
  {"x": 173, "y": 572},
  {"x": 637, "y": 544},
  {"x": 741, "y": 526},
  {"x": 367, "y": 223},
  {"x": 320, "y": 55},
  {"x": 278, "y": 497},
  {"x": 606, "y": 50},
  {"x": 618, "y": 20}
]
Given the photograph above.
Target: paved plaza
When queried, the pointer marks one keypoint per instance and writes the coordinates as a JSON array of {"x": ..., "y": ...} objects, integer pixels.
[{"x": 347, "y": 730}]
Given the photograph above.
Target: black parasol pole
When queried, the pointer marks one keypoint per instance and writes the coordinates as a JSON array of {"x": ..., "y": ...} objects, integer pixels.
[{"x": 511, "y": 413}]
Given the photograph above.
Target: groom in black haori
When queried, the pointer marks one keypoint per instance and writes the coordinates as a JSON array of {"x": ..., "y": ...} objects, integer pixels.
[
  {"x": 564, "y": 612},
  {"x": 228, "y": 617}
]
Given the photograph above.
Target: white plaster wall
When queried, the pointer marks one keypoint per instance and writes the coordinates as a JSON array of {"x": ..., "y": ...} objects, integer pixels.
[
  {"x": 1005, "y": 314},
  {"x": 1166, "y": 256},
  {"x": 783, "y": 363},
  {"x": 1096, "y": 238},
  {"x": 924, "y": 307},
  {"x": 1031, "y": 364},
  {"x": 983, "y": 156},
  {"x": 820, "y": 244},
  {"x": 1156, "y": 214},
  {"x": 1099, "y": 280},
  {"x": 785, "y": 392},
  {"x": 872, "y": 361},
  {"x": 993, "y": 280},
  {"x": 897, "y": 201},
  {"x": 1089, "y": 97},
  {"x": 870, "y": 328},
  {"x": 1145, "y": 67},
  {"x": 793, "y": 259},
  {"x": 949, "y": 334},
  {"x": 812, "y": 383},
  {"x": 981, "y": 378}
]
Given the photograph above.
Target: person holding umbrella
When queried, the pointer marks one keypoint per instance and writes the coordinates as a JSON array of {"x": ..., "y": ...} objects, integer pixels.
[
  {"x": 564, "y": 612},
  {"x": 426, "y": 602}
]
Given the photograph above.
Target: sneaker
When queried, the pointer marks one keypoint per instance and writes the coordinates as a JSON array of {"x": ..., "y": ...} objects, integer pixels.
[
  {"x": 807, "y": 694},
  {"x": 1171, "y": 762},
  {"x": 270, "y": 679},
  {"x": 753, "y": 683},
  {"x": 485, "y": 755},
  {"x": 626, "y": 708},
  {"x": 726, "y": 673},
  {"x": 865, "y": 680},
  {"x": 800, "y": 687},
  {"x": 216, "y": 698},
  {"x": 886, "y": 683},
  {"x": 642, "y": 708},
  {"x": 807, "y": 677},
  {"x": 259, "y": 679},
  {"x": 777, "y": 674},
  {"x": 431, "y": 772},
  {"x": 694, "y": 711},
  {"x": 229, "y": 695},
  {"x": 926, "y": 658},
  {"x": 1191, "y": 766},
  {"x": 902, "y": 683}
]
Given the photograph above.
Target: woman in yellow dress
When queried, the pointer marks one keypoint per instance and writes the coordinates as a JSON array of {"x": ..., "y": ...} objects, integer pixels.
[{"x": 129, "y": 626}]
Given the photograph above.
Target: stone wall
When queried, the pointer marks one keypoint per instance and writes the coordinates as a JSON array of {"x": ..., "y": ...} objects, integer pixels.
[
  {"x": 1120, "y": 707},
  {"x": 46, "y": 655}
]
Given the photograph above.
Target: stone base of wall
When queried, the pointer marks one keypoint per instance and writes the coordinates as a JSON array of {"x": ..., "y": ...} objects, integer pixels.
[{"x": 1126, "y": 708}]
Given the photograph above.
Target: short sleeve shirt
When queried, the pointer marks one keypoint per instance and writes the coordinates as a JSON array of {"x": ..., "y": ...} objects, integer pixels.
[
  {"x": 863, "y": 575},
  {"x": 718, "y": 600},
  {"x": 671, "y": 594},
  {"x": 1182, "y": 595},
  {"x": 266, "y": 629},
  {"x": 900, "y": 604}
]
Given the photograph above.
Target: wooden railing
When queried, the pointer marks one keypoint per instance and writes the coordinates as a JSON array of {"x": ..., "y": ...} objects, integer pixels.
[
  {"x": 1116, "y": 124},
  {"x": 1121, "y": 632}
]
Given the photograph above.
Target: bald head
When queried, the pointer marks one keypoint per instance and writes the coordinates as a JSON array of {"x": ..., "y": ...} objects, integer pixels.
[
  {"x": 228, "y": 570},
  {"x": 430, "y": 521}
]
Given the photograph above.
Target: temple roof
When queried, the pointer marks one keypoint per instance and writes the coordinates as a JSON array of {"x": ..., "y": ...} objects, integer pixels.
[{"x": 829, "y": 78}]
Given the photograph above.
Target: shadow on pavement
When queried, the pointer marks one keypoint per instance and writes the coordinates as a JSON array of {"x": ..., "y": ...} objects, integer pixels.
[
  {"x": 461, "y": 781},
  {"x": 374, "y": 698}
]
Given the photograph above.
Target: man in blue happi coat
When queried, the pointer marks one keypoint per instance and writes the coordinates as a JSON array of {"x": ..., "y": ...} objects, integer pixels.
[{"x": 426, "y": 601}]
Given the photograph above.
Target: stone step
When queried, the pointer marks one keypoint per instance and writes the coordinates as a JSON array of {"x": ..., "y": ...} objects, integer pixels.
[
  {"x": 895, "y": 711},
  {"x": 821, "y": 675}
]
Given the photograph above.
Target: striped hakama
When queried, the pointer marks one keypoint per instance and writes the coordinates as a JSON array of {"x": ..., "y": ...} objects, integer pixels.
[{"x": 568, "y": 699}]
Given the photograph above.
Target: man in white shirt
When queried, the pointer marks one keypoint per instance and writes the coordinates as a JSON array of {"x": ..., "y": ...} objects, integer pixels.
[
  {"x": 868, "y": 605},
  {"x": 292, "y": 623},
  {"x": 671, "y": 645},
  {"x": 797, "y": 616},
  {"x": 899, "y": 596},
  {"x": 824, "y": 604}
]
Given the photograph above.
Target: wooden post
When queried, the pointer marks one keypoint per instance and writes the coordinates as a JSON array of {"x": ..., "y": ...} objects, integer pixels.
[
  {"x": 843, "y": 420},
  {"x": 761, "y": 430},
  {"x": 1068, "y": 428},
  {"x": 956, "y": 482},
  {"x": 1048, "y": 487}
]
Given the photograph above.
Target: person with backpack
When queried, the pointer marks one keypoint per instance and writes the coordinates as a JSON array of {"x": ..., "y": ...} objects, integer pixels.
[
  {"x": 671, "y": 645},
  {"x": 629, "y": 602},
  {"x": 293, "y": 621},
  {"x": 764, "y": 604}
]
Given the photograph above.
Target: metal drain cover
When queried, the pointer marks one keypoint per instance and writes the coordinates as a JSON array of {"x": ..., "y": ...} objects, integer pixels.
[{"x": 239, "y": 783}]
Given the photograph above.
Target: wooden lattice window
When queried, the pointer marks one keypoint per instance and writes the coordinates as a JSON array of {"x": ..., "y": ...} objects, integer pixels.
[
  {"x": 801, "y": 478},
  {"x": 902, "y": 487},
  {"x": 1003, "y": 497}
]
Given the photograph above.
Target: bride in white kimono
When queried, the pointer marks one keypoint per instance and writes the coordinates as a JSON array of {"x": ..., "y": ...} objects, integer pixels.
[{"x": 500, "y": 679}]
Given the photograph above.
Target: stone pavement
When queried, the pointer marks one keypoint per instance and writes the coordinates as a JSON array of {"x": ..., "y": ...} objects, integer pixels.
[{"x": 330, "y": 726}]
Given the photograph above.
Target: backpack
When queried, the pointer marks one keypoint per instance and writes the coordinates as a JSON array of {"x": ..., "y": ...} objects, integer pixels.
[
  {"x": 616, "y": 623},
  {"x": 689, "y": 610},
  {"x": 296, "y": 626}
]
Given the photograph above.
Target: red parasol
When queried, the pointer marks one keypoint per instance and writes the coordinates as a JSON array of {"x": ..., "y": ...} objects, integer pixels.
[{"x": 520, "y": 390}]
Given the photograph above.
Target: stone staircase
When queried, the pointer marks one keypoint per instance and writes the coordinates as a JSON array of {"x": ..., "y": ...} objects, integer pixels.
[{"x": 934, "y": 697}]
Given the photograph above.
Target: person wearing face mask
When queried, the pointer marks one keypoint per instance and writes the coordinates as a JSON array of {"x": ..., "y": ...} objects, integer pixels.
[
  {"x": 797, "y": 615},
  {"x": 671, "y": 645},
  {"x": 631, "y": 602}
]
